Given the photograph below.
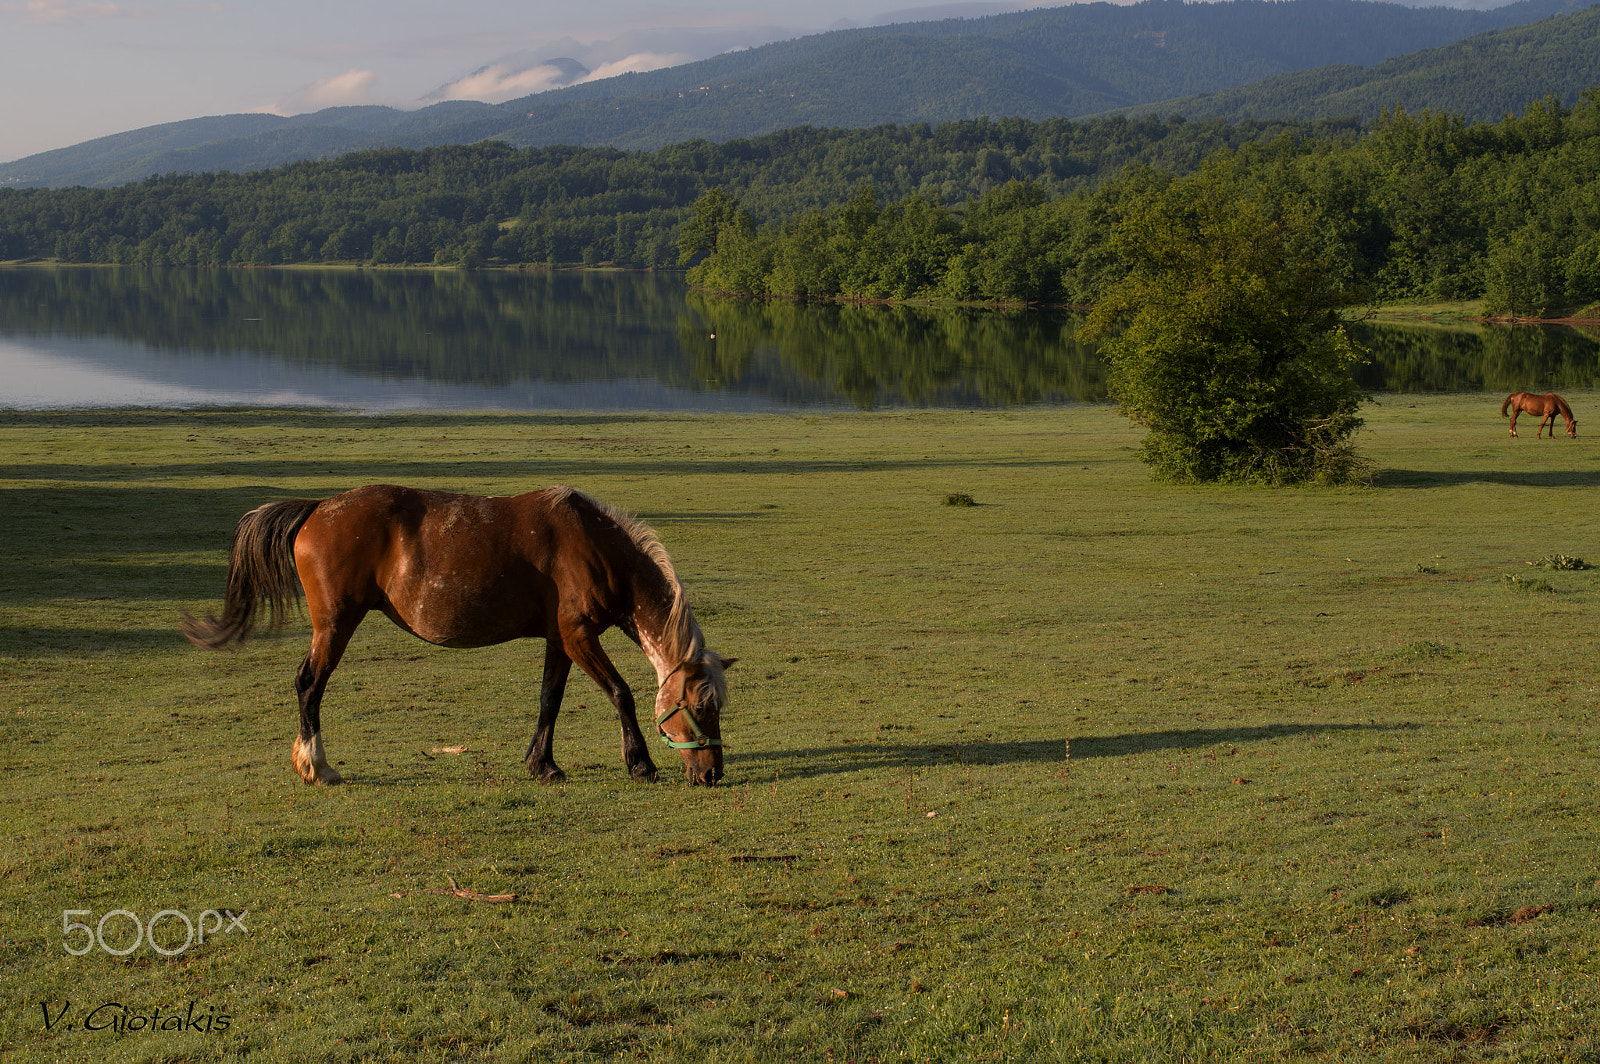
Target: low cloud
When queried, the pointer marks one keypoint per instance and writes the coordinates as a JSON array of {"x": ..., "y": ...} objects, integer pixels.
[
  {"x": 341, "y": 90},
  {"x": 498, "y": 82},
  {"x": 637, "y": 63},
  {"x": 65, "y": 12},
  {"x": 352, "y": 88},
  {"x": 557, "y": 63},
  {"x": 55, "y": 12},
  {"x": 510, "y": 78}
]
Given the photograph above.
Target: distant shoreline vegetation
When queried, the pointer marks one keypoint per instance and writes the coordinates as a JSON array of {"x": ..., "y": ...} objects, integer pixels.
[
  {"x": 1422, "y": 207},
  {"x": 489, "y": 204},
  {"x": 1003, "y": 212}
]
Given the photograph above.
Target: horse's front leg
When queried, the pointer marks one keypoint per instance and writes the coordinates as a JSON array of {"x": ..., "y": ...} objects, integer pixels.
[
  {"x": 540, "y": 758},
  {"x": 584, "y": 648},
  {"x": 1550, "y": 420}
]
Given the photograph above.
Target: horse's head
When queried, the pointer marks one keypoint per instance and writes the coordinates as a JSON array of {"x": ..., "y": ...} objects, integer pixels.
[
  {"x": 1572, "y": 427},
  {"x": 689, "y": 714}
]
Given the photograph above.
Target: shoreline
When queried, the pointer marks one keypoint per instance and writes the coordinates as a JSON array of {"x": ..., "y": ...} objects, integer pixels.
[{"x": 1438, "y": 315}]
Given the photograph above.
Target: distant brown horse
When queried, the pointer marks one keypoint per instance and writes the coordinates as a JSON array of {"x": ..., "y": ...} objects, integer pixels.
[
  {"x": 1546, "y": 406},
  {"x": 470, "y": 571}
]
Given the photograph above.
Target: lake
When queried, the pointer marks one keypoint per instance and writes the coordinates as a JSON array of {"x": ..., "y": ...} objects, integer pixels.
[{"x": 393, "y": 340}]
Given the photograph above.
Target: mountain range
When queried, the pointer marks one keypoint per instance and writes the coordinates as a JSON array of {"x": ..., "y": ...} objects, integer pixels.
[
  {"x": 1302, "y": 59},
  {"x": 1480, "y": 78}
]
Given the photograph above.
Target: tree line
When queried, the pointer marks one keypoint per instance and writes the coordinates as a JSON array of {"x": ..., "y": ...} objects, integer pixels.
[
  {"x": 1418, "y": 206},
  {"x": 1007, "y": 211},
  {"x": 491, "y": 205}
]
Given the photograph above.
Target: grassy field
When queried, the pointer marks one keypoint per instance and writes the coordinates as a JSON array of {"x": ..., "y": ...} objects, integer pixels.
[
  {"x": 1467, "y": 313},
  {"x": 1095, "y": 769}
]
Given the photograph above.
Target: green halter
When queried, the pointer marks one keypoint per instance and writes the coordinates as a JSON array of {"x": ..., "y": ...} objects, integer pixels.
[{"x": 701, "y": 739}]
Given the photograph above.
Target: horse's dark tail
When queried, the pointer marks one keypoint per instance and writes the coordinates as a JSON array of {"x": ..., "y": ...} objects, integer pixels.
[
  {"x": 1505, "y": 407},
  {"x": 261, "y": 565}
]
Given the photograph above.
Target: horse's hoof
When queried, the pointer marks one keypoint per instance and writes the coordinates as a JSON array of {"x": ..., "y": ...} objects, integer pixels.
[
  {"x": 328, "y": 777},
  {"x": 644, "y": 772},
  {"x": 547, "y": 773}
]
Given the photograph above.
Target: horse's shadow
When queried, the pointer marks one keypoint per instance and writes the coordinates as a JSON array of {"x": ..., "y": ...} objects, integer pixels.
[
  {"x": 1425, "y": 478},
  {"x": 871, "y": 754}
]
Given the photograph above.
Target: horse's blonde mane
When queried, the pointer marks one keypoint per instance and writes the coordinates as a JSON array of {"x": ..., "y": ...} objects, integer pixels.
[{"x": 681, "y": 637}]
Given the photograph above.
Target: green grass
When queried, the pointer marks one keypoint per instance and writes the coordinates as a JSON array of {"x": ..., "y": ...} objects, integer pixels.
[
  {"x": 1465, "y": 313},
  {"x": 1099, "y": 769},
  {"x": 1454, "y": 314}
]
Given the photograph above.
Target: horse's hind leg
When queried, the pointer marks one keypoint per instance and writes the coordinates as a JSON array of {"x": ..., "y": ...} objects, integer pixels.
[
  {"x": 540, "y": 758},
  {"x": 1514, "y": 414},
  {"x": 327, "y": 647}
]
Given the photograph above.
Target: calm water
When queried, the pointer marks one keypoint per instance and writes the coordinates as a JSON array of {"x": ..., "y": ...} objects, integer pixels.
[{"x": 368, "y": 340}]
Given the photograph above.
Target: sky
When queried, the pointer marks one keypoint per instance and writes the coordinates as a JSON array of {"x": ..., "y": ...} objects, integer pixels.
[{"x": 73, "y": 70}]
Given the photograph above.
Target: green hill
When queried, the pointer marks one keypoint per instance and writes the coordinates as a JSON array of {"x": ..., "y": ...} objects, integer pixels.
[
  {"x": 1057, "y": 62},
  {"x": 1480, "y": 78}
]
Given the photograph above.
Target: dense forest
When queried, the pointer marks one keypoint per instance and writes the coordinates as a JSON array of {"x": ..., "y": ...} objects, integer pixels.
[
  {"x": 1420, "y": 206},
  {"x": 489, "y": 204},
  {"x": 1011, "y": 211}
]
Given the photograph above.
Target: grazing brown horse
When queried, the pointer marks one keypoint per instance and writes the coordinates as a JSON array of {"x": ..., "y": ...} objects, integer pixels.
[
  {"x": 469, "y": 571},
  {"x": 1546, "y": 406}
]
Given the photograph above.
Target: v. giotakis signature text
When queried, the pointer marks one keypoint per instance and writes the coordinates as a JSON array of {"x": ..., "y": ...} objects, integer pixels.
[{"x": 119, "y": 1018}]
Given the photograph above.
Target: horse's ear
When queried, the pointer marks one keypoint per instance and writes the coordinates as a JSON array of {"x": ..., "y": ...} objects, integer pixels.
[{"x": 727, "y": 661}]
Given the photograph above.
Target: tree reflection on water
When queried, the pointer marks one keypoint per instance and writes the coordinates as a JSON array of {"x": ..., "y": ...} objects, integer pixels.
[
  {"x": 1488, "y": 358},
  {"x": 896, "y": 355},
  {"x": 496, "y": 330}
]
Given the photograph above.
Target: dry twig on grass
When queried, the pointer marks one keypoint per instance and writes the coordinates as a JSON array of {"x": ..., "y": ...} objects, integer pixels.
[{"x": 458, "y": 892}]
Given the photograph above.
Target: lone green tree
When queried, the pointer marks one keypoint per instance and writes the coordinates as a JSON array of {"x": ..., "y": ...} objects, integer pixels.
[{"x": 1225, "y": 337}]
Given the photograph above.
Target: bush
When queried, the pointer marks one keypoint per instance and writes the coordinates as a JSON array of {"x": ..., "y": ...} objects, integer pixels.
[{"x": 1226, "y": 337}]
